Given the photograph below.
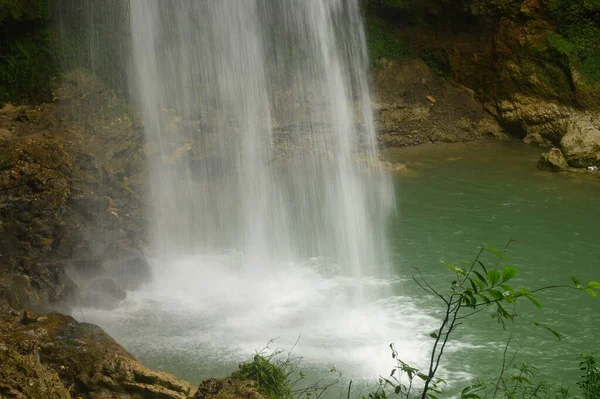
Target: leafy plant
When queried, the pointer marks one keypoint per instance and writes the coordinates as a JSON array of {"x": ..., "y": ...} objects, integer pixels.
[
  {"x": 590, "y": 380},
  {"x": 475, "y": 287},
  {"x": 278, "y": 377},
  {"x": 578, "y": 36},
  {"x": 271, "y": 378}
]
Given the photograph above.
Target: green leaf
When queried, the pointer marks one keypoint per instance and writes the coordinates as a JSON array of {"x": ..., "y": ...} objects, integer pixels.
[
  {"x": 470, "y": 392},
  {"x": 553, "y": 332},
  {"x": 594, "y": 284},
  {"x": 497, "y": 295},
  {"x": 493, "y": 250},
  {"x": 508, "y": 272},
  {"x": 591, "y": 292},
  {"x": 484, "y": 298},
  {"x": 480, "y": 276},
  {"x": 433, "y": 335},
  {"x": 456, "y": 269},
  {"x": 508, "y": 288},
  {"x": 482, "y": 266},
  {"x": 479, "y": 283},
  {"x": 475, "y": 290},
  {"x": 493, "y": 276},
  {"x": 534, "y": 300},
  {"x": 574, "y": 280}
]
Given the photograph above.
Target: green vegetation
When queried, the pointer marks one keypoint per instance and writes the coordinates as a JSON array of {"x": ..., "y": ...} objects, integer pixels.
[
  {"x": 578, "y": 34},
  {"x": 28, "y": 58},
  {"x": 271, "y": 379},
  {"x": 27, "y": 65},
  {"x": 381, "y": 42},
  {"x": 474, "y": 288},
  {"x": 278, "y": 377},
  {"x": 19, "y": 10}
]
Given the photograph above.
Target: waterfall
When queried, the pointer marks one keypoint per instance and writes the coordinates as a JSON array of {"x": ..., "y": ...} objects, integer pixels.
[
  {"x": 260, "y": 118},
  {"x": 268, "y": 208}
]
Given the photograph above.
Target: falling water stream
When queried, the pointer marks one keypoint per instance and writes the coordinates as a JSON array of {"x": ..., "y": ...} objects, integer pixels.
[{"x": 268, "y": 209}]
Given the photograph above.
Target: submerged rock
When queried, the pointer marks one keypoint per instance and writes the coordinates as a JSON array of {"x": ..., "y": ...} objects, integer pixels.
[{"x": 553, "y": 160}]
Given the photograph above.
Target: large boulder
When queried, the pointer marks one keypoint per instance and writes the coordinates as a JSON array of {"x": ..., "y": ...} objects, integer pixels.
[
  {"x": 553, "y": 160},
  {"x": 227, "y": 388},
  {"x": 581, "y": 143},
  {"x": 41, "y": 353}
]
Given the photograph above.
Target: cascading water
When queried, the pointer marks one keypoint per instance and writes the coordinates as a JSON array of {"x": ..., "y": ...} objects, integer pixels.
[
  {"x": 269, "y": 210},
  {"x": 267, "y": 104}
]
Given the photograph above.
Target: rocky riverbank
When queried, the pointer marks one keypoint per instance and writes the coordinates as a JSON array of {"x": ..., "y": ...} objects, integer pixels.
[{"x": 530, "y": 65}]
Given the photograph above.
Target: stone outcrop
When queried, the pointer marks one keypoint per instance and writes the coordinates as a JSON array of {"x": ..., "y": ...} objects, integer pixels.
[
  {"x": 54, "y": 356},
  {"x": 227, "y": 388},
  {"x": 413, "y": 105},
  {"x": 532, "y": 64},
  {"x": 71, "y": 183},
  {"x": 581, "y": 143},
  {"x": 553, "y": 160},
  {"x": 574, "y": 131}
]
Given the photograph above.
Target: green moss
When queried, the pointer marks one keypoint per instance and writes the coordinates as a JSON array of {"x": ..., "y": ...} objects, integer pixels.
[
  {"x": 438, "y": 61},
  {"x": 381, "y": 42},
  {"x": 27, "y": 63},
  {"x": 578, "y": 34},
  {"x": 24, "y": 10},
  {"x": 271, "y": 379}
]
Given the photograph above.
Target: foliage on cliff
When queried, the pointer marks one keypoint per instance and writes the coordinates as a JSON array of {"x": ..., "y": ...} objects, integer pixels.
[
  {"x": 500, "y": 48},
  {"x": 27, "y": 51}
]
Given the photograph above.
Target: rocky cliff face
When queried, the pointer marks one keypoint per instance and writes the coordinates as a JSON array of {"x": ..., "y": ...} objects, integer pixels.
[
  {"x": 534, "y": 65},
  {"x": 71, "y": 185}
]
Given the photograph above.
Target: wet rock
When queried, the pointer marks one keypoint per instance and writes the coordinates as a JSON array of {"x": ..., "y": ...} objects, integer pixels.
[
  {"x": 536, "y": 138},
  {"x": 41, "y": 358},
  {"x": 65, "y": 192},
  {"x": 227, "y": 388},
  {"x": 553, "y": 160},
  {"x": 36, "y": 286}
]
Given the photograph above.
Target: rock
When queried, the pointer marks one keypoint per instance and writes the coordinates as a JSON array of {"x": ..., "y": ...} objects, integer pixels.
[
  {"x": 66, "y": 196},
  {"x": 581, "y": 143},
  {"x": 536, "y": 138},
  {"x": 227, "y": 388},
  {"x": 51, "y": 352},
  {"x": 36, "y": 286},
  {"x": 553, "y": 160},
  {"x": 404, "y": 111},
  {"x": 25, "y": 377}
]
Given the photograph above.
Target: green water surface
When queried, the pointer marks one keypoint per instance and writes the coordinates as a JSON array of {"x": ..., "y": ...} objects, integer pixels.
[{"x": 456, "y": 197}]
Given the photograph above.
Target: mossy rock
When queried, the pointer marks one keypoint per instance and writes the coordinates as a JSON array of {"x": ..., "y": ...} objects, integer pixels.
[{"x": 24, "y": 377}]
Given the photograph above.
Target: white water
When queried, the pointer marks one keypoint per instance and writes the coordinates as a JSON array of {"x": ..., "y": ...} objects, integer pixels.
[
  {"x": 199, "y": 327},
  {"x": 259, "y": 109}
]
